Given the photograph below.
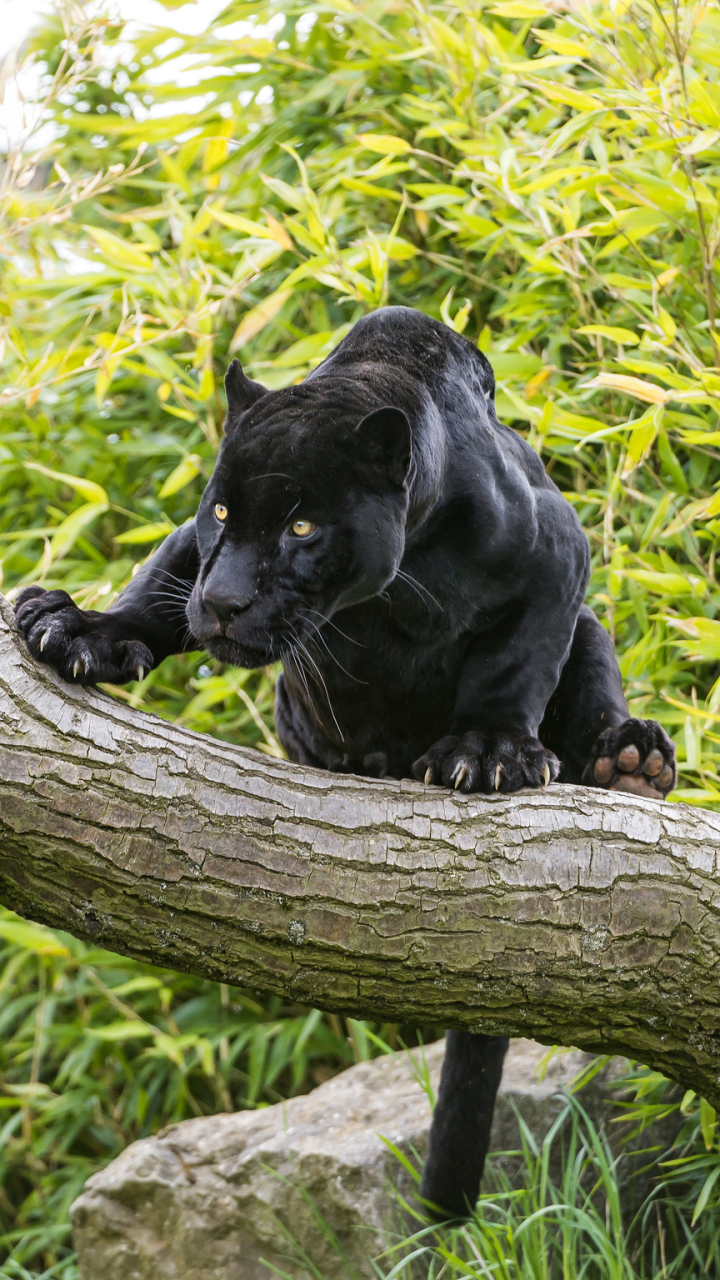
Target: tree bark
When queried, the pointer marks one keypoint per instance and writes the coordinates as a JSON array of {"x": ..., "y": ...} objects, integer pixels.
[{"x": 575, "y": 916}]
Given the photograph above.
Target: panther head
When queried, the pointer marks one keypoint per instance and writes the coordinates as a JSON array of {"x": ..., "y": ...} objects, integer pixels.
[{"x": 303, "y": 515}]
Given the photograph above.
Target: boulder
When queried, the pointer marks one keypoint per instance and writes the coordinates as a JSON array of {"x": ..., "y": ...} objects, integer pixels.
[{"x": 208, "y": 1199}]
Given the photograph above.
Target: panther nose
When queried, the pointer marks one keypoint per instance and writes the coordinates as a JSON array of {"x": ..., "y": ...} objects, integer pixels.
[{"x": 225, "y": 607}]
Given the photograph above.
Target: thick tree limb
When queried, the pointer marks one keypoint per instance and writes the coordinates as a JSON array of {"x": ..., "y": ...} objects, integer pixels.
[{"x": 570, "y": 915}]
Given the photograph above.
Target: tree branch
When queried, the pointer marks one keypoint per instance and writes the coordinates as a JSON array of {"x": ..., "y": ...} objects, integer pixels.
[{"x": 571, "y": 915}]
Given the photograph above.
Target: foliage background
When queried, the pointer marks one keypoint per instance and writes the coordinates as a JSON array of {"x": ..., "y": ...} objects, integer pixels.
[{"x": 544, "y": 178}]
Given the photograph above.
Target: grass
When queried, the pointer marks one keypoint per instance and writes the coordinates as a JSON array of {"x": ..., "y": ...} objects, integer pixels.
[{"x": 533, "y": 1223}]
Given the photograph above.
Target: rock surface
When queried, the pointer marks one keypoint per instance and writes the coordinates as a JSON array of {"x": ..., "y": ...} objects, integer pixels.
[{"x": 207, "y": 1199}]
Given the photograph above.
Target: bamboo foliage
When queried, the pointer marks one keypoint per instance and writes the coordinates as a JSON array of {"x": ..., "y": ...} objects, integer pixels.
[{"x": 542, "y": 178}]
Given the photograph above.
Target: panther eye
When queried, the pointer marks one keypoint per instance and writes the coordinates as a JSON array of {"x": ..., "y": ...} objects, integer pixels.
[
  {"x": 303, "y": 528},
  {"x": 221, "y": 512}
]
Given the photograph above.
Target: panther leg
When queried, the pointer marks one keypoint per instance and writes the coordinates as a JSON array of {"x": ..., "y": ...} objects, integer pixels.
[
  {"x": 589, "y": 698},
  {"x": 588, "y": 725},
  {"x": 145, "y": 624},
  {"x": 460, "y": 1133}
]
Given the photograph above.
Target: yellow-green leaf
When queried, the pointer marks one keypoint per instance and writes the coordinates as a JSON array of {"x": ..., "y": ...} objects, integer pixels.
[
  {"x": 290, "y": 195},
  {"x": 370, "y": 189},
  {"x": 713, "y": 506},
  {"x": 641, "y": 438},
  {"x": 703, "y": 635},
  {"x": 570, "y": 97},
  {"x": 184, "y": 472},
  {"x": 235, "y": 222},
  {"x": 105, "y": 377},
  {"x": 118, "y": 251},
  {"x": 519, "y": 9},
  {"x": 624, "y": 336},
  {"x": 385, "y": 144},
  {"x": 32, "y": 937},
  {"x": 255, "y": 320},
  {"x": 146, "y": 533},
  {"x": 673, "y": 584},
  {"x": 87, "y": 488},
  {"x": 175, "y": 412},
  {"x": 67, "y": 533},
  {"x": 637, "y": 387},
  {"x": 560, "y": 44},
  {"x": 667, "y": 324},
  {"x": 702, "y": 142},
  {"x": 143, "y": 983}
]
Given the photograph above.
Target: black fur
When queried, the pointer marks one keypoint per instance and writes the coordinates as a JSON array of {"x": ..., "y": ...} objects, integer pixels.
[
  {"x": 430, "y": 625},
  {"x": 460, "y": 1133}
]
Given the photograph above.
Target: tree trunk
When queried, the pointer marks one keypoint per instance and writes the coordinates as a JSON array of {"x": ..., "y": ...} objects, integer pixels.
[{"x": 571, "y": 915}]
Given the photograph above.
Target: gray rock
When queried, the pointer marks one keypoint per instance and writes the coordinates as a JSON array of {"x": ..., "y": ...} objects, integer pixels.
[{"x": 207, "y": 1199}]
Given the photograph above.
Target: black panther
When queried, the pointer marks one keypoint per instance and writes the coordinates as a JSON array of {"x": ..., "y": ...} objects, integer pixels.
[{"x": 421, "y": 579}]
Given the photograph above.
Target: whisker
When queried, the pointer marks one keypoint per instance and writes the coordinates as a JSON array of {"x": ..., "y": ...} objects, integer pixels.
[
  {"x": 292, "y": 657},
  {"x": 318, "y": 635},
  {"x": 166, "y": 575},
  {"x": 173, "y": 601},
  {"x": 418, "y": 587},
  {"x": 169, "y": 595},
  {"x": 344, "y": 634},
  {"x": 321, "y": 678},
  {"x": 300, "y": 646}
]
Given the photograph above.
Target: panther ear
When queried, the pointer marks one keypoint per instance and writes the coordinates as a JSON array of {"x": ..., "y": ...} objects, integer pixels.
[
  {"x": 241, "y": 392},
  {"x": 386, "y": 441}
]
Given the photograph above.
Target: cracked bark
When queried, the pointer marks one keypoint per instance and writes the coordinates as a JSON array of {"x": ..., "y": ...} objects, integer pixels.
[{"x": 574, "y": 916}]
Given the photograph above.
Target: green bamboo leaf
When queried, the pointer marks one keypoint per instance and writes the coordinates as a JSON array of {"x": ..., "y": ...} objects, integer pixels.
[
  {"x": 384, "y": 144},
  {"x": 237, "y": 223},
  {"x": 289, "y": 195},
  {"x": 88, "y": 488},
  {"x": 255, "y": 320},
  {"x": 145, "y": 533},
  {"x": 674, "y": 584},
  {"x": 116, "y": 1031},
  {"x": 615, "y": 334},
  {"x": 32, "y": 937},
  {"x": 70, "y": 529},
  {"x": 707, "y": 1123},
  {"x": 185, "y": 472},
  {"x": 705, "y": 1192},
  {"x": 569, "y": 97},
  {"x": 119, "y": 251},
  {"x": 519, "y": 9},
  {"x": 143, "y": 983}
]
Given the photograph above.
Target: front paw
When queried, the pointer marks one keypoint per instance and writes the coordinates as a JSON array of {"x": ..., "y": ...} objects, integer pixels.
[
  {"x": 73, "y": 641},
  {"x": 637, "y": 757},
  {"x": 499, "y": 762}
]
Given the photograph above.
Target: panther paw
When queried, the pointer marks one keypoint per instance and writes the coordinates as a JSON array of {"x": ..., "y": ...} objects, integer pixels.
[
  {"x": 637, "y": 757},
  {"x": 500, "y": 762},
  {"x": 74, "y": 642}
]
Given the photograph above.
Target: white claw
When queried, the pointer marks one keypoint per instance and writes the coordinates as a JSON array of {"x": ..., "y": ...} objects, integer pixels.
[
  {"x": 499, "y": 775},
  {"x": 44, "y": 639},
  {"x": 77, "y": 668},
  {"x": 140, "y": 671},
  {"x": 460, "y": 776},
  {"x": 546, "y": 773},
  {"x": 428, "y": 776}
]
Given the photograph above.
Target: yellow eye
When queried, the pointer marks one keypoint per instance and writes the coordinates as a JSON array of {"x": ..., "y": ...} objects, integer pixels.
[
  {"x": 303, "y": 528},
  {"x": 220, "y": 511}
]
